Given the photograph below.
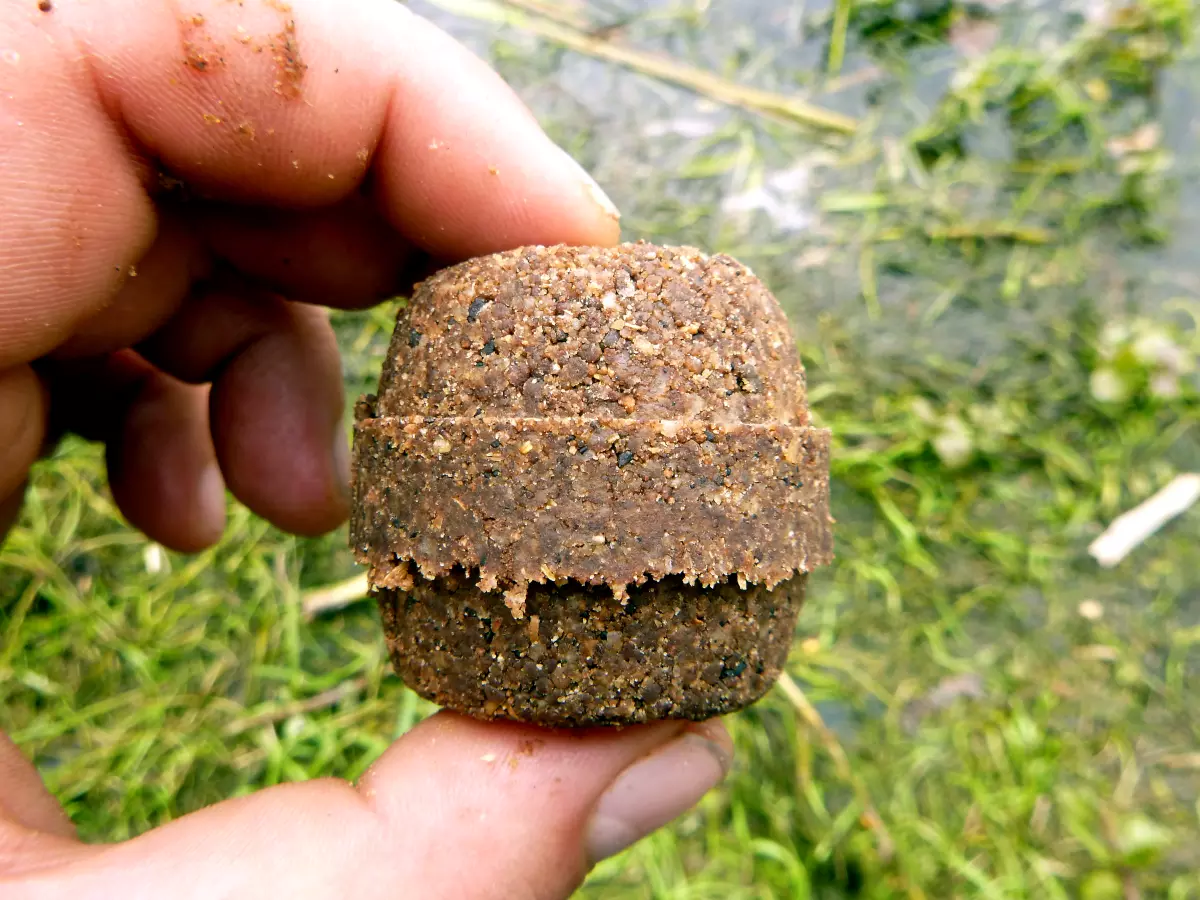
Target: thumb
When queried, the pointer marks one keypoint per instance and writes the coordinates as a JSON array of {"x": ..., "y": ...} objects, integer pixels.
[
  {"x": 455, "y": 809},
  {"x": 535, "y": 809}
]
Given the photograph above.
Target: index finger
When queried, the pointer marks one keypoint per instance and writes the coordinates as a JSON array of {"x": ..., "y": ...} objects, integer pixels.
[{"x": 261, "y": 101}]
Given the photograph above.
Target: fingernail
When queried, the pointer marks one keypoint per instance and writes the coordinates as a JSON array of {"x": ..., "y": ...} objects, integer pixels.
[
  {"x": 593, "y": 190},
  {"x": 210, "y": 497},
  {"x": 655, "y": 790},
  {"x": 341, "y": 464}
]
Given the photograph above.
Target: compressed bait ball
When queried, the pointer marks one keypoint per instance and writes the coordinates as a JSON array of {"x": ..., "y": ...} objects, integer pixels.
[{"x": 587, "y": 490}]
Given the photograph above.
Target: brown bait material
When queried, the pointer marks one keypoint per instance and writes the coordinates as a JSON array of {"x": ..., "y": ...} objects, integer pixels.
[
  {"x": 604, "y": 445},
  {"x": 580, "y": 658}
]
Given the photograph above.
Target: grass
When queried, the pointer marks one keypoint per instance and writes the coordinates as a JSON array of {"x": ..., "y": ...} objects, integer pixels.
[{"x": 983, "y": 279}]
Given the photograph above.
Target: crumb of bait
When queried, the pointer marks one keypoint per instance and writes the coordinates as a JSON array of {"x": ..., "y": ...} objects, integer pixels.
[{"x": 623, "y": 431}]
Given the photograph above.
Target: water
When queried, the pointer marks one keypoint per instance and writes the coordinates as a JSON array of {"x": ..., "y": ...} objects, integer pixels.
[{"x": 685, "y": 169}]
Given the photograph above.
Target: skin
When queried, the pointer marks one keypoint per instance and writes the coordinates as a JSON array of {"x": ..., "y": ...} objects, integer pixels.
[{"x": 331, "y": 152}]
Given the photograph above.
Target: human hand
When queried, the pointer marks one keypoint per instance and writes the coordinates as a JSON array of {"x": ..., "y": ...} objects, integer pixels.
[{"x": 329, "y": 152}]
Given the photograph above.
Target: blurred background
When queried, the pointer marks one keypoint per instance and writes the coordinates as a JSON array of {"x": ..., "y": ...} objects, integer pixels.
[{"x": 982, "y": 218}]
